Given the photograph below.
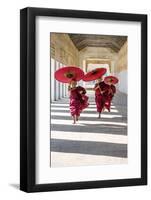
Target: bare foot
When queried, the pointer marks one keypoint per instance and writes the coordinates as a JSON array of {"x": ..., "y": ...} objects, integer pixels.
[
  {"x": 74, "y": 120},
  {"x": 77, "y": 118},
  {"x": 99, "y": 116}
]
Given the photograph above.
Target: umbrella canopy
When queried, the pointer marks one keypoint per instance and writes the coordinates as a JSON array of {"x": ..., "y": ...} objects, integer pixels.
[
  {"x": 111, "y": 79},
  {"x": 94, "y": 74},
  {"x": 68, "y": 73}
]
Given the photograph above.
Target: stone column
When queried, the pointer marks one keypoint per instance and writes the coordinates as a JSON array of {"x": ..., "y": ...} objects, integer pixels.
[
  {"x": 60, "y": 84},
  {"x": 52, "y": 80},
  {"x": 64, "y": 89},
  {"x": 84, "y": 69},
  {"x": 56, "y": 83}
]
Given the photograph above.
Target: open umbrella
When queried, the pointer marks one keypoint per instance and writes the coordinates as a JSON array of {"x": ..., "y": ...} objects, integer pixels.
[
  {"x": 94, "y": 74},
  {"x": 66, "y": 74},
  {"x": 111, "y": 79}
]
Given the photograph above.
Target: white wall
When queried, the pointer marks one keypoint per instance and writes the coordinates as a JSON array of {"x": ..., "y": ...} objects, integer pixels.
[
  {"x": 9, "y": 101},
  {"x": 122, "y": 85}
]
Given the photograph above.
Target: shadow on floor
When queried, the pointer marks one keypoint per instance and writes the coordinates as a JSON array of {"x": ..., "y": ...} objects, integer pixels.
[
  {"x": 93, "y": 128},
  {"x": 90, "y": 124},
  {"x": 113, "y": 119},
  {"x": 89, "y": 147}
]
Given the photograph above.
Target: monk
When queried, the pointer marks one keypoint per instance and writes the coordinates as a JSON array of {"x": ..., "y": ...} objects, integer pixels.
[
  {"x": 100, "y": 88},
  {"x": 108, "y": 95},
  {"x": 78, "y": 100}
]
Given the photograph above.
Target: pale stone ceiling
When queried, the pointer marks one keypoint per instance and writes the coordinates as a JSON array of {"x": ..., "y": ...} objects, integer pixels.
[{"x": 108, "y": 41}]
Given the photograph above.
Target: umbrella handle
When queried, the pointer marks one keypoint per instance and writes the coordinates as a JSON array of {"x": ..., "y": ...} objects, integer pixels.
[{"x": 96, "y": 87}]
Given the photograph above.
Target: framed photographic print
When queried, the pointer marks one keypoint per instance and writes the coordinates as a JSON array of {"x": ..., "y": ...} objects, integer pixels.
[{"x": 83, "y": 99}]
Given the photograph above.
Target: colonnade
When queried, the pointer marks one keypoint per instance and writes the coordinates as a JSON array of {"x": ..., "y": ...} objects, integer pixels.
[{"x": 58, "y": 90}]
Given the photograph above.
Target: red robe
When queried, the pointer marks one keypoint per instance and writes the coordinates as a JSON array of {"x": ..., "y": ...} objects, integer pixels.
[
  {"x": 108, "y": 95},
  {"x": 99, "y": 96},
  {"x": 78, "y": 100}
]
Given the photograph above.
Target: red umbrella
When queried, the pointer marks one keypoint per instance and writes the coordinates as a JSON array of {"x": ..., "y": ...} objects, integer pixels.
[
  {"x": 66, "y": 74},
  {"x": 111, "y": 79},
  {"x": 94, "y": 74}
]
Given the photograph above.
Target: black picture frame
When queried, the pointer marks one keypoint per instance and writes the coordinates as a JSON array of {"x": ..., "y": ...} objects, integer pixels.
[{"x": 28, "y": 99}]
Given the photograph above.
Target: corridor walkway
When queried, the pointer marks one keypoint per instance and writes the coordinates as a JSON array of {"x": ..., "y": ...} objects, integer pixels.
[{"x": 91, "y": 141}]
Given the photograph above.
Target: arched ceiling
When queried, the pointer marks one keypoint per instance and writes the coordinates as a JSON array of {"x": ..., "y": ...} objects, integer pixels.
[{"x": 109, "y": 41}]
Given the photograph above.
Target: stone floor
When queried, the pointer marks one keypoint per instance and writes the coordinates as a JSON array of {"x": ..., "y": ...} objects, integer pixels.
[{"x": 91, "y": 141}]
